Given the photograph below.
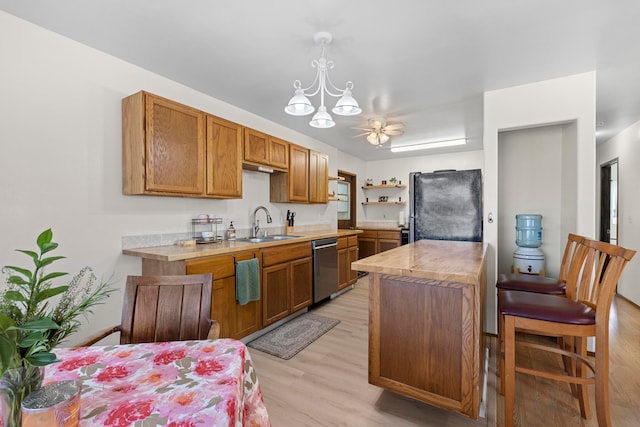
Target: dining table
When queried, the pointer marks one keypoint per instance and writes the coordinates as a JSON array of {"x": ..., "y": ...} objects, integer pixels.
[{"x": 174, "y": 384}]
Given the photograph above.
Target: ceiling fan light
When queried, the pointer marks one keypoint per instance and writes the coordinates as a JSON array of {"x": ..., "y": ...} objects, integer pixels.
[
  {"x": 384, "y": 138},
  {"x": 322, "y": 119},
  {"x": 347, "y": 105},
  {"x": 373, "y": 138},
  {"x": 299, "y": 105}
]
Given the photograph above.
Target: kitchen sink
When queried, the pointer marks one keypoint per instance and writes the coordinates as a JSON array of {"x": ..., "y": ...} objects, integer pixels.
[{"x": 273, "y": 238}]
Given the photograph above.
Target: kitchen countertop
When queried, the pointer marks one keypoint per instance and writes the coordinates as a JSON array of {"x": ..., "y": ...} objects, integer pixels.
[
  {"x": 381, "y": 227},
  {"x": 177, "y": 253},
  {"x": 429, "y": 259}
]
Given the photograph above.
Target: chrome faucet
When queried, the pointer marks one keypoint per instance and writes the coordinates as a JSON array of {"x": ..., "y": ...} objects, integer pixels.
[{"x": 256, "y": 223}]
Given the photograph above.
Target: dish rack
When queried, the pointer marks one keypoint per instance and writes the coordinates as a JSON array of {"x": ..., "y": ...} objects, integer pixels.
[{"x": 198, "y": 225}]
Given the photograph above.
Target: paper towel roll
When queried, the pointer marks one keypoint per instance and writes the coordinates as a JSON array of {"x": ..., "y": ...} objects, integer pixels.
[{"x": 401, "y": 218}]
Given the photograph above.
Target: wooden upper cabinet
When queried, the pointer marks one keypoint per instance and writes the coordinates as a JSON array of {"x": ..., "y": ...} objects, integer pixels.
[
  {"x": 318, "y": 177},
  {"x": 170, "y": 149},
  {"x": 298, "y": 173},
  {"x": 279, "y": 153},
  {"x": 224, "y": 158},
  {"x": 163, "y": 147},
  {"x": 265, "y": 150},
  {"x": 256, "y": 146}
]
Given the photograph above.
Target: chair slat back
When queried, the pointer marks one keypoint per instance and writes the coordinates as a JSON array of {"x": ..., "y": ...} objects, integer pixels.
[
  {"x": 166, "y": 308},
  {"x": 594, "y": 278}
]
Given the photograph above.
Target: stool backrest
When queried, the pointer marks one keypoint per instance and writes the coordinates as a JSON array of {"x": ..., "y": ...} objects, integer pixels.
[{"x": 593, "y": 276}]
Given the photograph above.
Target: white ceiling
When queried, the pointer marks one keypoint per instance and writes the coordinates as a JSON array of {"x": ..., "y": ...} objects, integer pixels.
[{"x": 425, "y": 63}]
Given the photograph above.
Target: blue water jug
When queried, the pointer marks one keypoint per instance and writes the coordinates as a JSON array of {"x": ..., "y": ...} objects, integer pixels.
[{"x": 528, "y": 230}]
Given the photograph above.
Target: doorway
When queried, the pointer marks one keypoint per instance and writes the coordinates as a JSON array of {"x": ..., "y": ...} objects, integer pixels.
[
  {"x": 609, "y": 202},
  {"x": 346, "y": 200}
]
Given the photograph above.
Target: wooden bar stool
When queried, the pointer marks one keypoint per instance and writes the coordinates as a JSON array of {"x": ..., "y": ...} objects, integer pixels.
[
  {"x": 584, "y": 313},
  {"x": 541, "y": 284}
]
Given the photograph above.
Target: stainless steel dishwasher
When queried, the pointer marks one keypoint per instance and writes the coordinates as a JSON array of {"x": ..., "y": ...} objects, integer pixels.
[{"x": 325, "y": 268}]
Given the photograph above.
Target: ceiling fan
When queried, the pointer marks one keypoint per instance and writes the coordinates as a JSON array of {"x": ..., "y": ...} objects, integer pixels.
[{"x": 380, "y": 132}]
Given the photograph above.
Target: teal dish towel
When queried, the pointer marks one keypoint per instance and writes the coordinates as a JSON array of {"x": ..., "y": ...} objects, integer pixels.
[{"x": 247, "y": 281}]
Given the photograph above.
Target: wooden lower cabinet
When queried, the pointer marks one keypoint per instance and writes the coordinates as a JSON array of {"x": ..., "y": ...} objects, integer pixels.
[
  {"x": 347, "y": 253},
  {"x": 372, "y": 242},
  {"x": 236, "y": 321},
  {"x": 286, "y": 281}
]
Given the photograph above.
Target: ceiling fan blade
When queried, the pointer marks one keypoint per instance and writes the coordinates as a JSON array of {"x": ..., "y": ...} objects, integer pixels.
[
  {"x": 394, "y": 132},
  {"x": 394, "y": 126},
  {"x": 362, "y": 134}
]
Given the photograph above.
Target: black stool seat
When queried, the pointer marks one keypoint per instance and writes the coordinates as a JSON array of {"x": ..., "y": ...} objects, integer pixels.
[
  {"x": 530, "y": 283},
  {"x": 545, "y": 307}
]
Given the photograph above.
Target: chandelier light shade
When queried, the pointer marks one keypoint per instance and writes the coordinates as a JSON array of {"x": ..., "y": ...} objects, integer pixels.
[{"x": 300, "y": 105}]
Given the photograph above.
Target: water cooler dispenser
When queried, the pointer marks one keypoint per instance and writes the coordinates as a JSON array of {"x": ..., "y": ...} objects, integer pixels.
[{"x": 528, "y": 258}]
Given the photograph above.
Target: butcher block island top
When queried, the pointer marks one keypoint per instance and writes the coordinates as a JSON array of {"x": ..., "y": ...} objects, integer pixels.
[
  {"x": 426, "y": 322},
  {"x": 429, "y": 259}
]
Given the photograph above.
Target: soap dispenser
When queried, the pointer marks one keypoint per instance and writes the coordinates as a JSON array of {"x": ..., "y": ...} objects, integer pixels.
[{"x": 231, "y": 232}]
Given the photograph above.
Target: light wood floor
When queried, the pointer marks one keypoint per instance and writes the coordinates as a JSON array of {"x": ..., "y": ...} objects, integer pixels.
[{"x": 326, "y": 384}]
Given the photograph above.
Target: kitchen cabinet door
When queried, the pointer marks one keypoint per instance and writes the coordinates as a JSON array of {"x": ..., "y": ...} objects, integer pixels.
[
  {"x": 343, "y": 268},
  {"x": 256, "y": 146},
  {"x": 298, "y": 174},
  {"x": 367, "y": 246},
  {"x": 278, "y": 153},
  {"x": 301, "y": 284},
  {"x": 224, "y": 158},
  {"x": 248, "y": 317},
  {"x": 275, "y": 298},
  {"x": 318, "y": 177},
  {"x": 353, "y": 257},
  {"x": 386, "y": 244},
  {"x": 163, "y": 147}
]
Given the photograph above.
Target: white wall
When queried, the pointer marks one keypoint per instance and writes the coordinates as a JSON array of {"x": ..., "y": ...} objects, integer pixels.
[
  {"x": 60, "y": 158},
  {"x": 626, "y": 147},
  {"x": 532, "y": 159},
  {"x": 563, "y": 100}
]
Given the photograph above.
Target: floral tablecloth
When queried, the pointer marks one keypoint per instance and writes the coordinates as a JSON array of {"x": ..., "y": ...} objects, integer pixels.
[{"x": 174, "y": 384}]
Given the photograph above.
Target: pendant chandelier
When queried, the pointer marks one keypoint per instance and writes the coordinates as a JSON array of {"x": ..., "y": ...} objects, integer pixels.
[{"x": 299, "y": 105}]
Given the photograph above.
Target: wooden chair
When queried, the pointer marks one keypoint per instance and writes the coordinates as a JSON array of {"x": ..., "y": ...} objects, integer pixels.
[
  {"x": 541, "y": 284},
  {"x": 164, "y": 308},
  {"x": 591, "y": 283}
]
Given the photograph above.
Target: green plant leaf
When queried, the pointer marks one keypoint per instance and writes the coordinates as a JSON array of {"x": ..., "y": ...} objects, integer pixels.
[
  {"x": 41, "y": 359},
  {"x": 47, "y": 261},
  {"x": 7, "y": 351},
  {"x": 42, "y": 324},
  {"x": 48, "y": 293},
  {"x": 31, "y": 339},
  {"x": 17, "y": 280},
  {"x": 52, "y": 276},
  {"x": 6, "y": 322},
  {"x": 48, "y": 247},
  {"x": 15, "y": 296},
  {"x": 32, "y": 254},
  {"x": 23, "y": 271},
  {"x": 45, "y": 237}
]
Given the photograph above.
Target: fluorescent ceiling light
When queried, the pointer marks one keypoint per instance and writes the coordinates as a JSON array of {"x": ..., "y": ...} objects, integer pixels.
[{"x": 427, "y": 145}]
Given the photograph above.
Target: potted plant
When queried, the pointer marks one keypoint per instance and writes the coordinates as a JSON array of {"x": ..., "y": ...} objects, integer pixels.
[
  {"x": 31, "y": 325},
  {"x": 393, "y": 180}
]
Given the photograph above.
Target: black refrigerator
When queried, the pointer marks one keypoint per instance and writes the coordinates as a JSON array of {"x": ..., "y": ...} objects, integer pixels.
[{"x": 445, "y": 205}]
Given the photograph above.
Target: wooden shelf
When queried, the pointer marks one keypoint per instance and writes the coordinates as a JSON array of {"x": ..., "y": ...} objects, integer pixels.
[
  {"x": 369, "y": 187},
  {"x": 384, "y": 203}
]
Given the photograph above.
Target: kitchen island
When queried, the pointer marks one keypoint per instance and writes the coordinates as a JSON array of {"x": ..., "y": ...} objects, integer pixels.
[{"x": 426, "y": 319}]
